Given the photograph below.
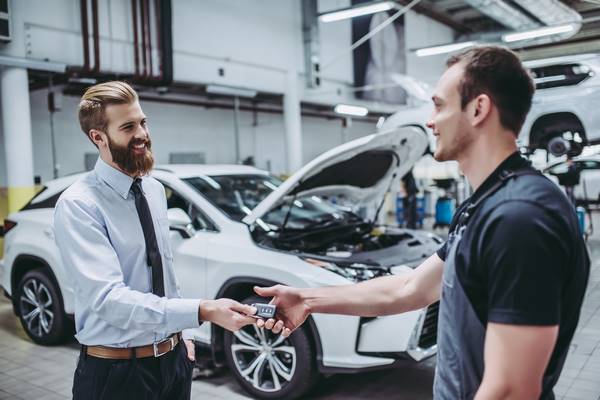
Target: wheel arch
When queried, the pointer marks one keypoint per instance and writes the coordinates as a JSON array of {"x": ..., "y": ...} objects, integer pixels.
[
  {"x": 24, "y": 263},
  {"x": 550, "y": 125}
]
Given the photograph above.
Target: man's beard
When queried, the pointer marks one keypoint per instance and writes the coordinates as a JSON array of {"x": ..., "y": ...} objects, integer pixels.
[{"x": 131, "y": 163}]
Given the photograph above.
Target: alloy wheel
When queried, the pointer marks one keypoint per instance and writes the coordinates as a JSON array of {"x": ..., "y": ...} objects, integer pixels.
[
  {"x": 264, "y": 359},
  {"x": 36, "y": 307}
]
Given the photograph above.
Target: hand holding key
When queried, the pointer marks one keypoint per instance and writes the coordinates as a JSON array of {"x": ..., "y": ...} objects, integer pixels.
[
  {"x": 265, "y": 314},
  {"x": 291, "y": 309}
]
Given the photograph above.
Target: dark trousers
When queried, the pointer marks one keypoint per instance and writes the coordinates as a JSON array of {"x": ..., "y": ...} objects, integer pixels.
[{"x": 168, "y": 377}]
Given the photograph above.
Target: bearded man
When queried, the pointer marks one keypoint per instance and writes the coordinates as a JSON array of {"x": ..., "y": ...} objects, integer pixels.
[{"x": 112, "y": 231}]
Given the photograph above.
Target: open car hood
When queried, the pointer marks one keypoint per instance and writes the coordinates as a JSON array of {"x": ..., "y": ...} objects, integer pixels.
[{"x": 360, "y": 171}]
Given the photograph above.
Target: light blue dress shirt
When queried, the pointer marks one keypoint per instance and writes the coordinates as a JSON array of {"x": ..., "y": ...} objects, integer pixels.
[{"x": 101, "y": 241}]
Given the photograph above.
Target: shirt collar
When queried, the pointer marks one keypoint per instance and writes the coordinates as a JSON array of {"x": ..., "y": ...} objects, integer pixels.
[
  {"x": 119, "y": 181},
  {"x": 513, "y": 162}
]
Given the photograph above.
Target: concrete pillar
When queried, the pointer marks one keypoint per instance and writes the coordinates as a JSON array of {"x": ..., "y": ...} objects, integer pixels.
[
  {"x": 16, "y": 125},
  {"x": 292, "y": 118}
]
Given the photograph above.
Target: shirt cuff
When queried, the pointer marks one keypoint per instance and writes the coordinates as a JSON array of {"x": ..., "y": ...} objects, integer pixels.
[
  {"x": 187, "y": 334},
  {"x": 516, "y": 317},
  {"x": 182, "y": 314}
]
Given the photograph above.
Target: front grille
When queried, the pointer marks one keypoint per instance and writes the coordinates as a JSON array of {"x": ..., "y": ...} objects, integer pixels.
[{"x": 429, "y": 331}]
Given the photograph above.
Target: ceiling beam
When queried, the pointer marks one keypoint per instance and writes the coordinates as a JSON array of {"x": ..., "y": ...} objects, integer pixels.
[{"x": 438, "y": 16}]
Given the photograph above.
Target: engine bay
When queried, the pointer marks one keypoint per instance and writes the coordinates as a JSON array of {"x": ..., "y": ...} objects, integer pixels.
[{"x": 354, "y": 243}]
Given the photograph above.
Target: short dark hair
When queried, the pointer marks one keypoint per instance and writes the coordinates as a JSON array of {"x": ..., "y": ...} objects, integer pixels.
[{"x": 497, "y": 72}]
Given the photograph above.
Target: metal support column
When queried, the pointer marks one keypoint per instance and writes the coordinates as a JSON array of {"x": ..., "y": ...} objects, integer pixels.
[
  {"x": 292, "y": 118},
  {"x": 236, "y": 128},
  {"x": 16, "y": 124},
  {"x": 310, "y": 37}
]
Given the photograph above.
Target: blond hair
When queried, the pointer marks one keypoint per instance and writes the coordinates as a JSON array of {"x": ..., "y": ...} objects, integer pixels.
[{"x": 93, "y": 103}]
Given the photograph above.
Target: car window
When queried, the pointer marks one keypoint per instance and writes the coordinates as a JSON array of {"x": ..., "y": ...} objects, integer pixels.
[
  {"x": 50, "y": 202},
  {"x": 307, "y": 211},
  {"x": 550, "y": 76},
  {"x": 235, "y": 195},
  {"x": 590, "y": 165},
  {"x": 200, "y": 220}
]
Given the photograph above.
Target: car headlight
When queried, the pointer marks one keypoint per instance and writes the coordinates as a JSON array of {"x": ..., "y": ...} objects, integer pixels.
[
  {"x": 581, "y": 69},
  {"x": 353, "y": 272}
]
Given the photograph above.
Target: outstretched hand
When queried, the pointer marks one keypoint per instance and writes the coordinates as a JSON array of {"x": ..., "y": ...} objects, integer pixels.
[
  {"x": 227, "y": 313},
  {"x": 292, "y": 311}
]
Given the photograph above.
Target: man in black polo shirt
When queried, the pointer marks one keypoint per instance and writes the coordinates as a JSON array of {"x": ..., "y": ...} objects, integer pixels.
[{"x": 512, "y": 275}]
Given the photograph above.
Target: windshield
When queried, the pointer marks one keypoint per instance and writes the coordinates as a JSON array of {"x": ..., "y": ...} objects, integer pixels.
[
  {"x": 235, "y": 195},
  {"x": 307, "y": 212}
]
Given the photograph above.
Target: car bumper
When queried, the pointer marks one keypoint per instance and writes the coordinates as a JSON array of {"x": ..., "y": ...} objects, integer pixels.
[
  {"x": 391, "y": 336},
  {"x": 376, "y": 343}
]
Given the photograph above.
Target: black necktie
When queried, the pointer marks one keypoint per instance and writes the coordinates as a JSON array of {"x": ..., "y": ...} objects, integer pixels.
[{"x": 152, "y": 252}]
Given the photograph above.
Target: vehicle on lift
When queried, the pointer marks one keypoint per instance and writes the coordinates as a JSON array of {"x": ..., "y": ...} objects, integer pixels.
[
  {"x": 234, "y": 227},
  {"x": 565, "y": 101}
]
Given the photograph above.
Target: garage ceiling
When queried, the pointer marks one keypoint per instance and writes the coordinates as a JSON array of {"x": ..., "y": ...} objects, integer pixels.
[{"x": 467, "y": 20}]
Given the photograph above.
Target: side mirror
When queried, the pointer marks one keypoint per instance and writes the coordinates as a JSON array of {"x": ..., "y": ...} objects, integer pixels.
[
  {"x": 179, "y": 221},
  {"x": 178, "y": 217}
]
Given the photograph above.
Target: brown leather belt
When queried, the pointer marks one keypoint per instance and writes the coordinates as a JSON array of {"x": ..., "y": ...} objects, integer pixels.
[{"x": 152, "y": 350}]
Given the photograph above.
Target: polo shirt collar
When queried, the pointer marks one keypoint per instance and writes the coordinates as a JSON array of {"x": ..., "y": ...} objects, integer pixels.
[{"x": 513, "y": 162}]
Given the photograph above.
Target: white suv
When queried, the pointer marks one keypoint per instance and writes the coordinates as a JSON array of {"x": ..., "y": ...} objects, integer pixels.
[
  {"x": 566, "y": 100},
  {"x": 234, "y": 227}
]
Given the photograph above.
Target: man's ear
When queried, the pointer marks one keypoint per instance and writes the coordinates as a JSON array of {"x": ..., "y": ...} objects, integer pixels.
[
  {"x": 481, "y": 107},
  {"x": 97, "y": 137}
]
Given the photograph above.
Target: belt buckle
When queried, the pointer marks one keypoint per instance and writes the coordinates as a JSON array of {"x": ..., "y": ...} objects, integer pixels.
[{"x": 156, "y": 344}]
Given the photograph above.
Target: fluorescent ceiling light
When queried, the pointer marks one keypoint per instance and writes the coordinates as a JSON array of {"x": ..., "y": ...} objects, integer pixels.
[
  {"x": 84, "y": 81},
  {"x": 230, "y": 91},
  {"x": 447, "y": 48},
  {"x": 535, "y": 33},
  {"x": 356, "y": 111},
  {"x": 356, "y": 11}
]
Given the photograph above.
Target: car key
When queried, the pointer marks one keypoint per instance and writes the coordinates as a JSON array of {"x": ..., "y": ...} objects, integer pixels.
[{"x": 264, "y": 310}]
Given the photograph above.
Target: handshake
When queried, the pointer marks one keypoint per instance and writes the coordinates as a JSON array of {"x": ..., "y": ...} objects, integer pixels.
[{"x": 231, "y": 315}]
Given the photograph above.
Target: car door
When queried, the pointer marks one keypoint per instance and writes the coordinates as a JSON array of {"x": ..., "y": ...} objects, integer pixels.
[{"x": 189, "y": 254}]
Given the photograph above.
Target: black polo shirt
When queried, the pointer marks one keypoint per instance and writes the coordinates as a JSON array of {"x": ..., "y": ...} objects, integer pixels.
[{"x": 522, "y": 260}]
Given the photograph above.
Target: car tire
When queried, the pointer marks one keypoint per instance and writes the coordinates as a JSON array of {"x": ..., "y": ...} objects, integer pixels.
[
  {"x": 40, "y": 308},
  {"x": 294, "y": 370}
]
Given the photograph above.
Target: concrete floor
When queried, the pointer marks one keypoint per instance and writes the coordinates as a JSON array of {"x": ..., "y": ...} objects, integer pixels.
[{"x": 29, "y": 371}]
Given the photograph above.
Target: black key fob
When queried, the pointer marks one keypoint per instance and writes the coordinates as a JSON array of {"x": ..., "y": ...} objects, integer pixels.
[{"x": 264, "y": 310}]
